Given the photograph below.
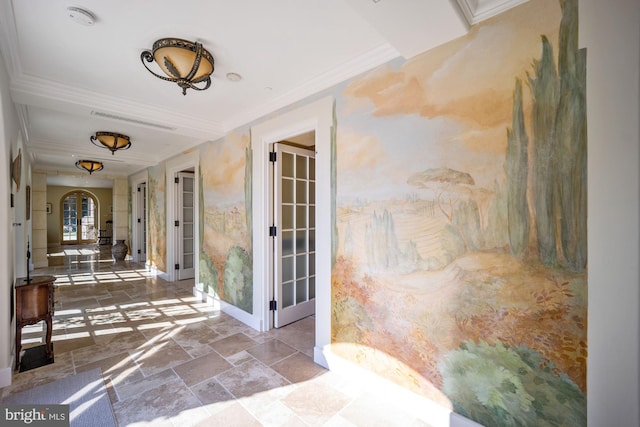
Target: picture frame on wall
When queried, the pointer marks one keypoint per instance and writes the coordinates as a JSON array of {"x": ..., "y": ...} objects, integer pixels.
[{"x": 48, "y": 208}]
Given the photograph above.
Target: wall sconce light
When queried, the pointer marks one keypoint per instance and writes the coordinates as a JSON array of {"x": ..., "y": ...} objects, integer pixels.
[
  {"x": 90, "y": 166},
  {"x": 111, "y": 141},
  {"x": 184, "y": 62}
]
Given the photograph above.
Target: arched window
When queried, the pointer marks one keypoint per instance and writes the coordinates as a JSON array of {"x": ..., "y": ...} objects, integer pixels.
[{"x": 79, "y": 218}]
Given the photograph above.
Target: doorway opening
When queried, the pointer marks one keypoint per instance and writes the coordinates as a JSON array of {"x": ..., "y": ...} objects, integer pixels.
[
  {"x": 317, "y": 117},
  {"x": 79, "y": 219},
  {"x": 185, "y": 224},
  {"x": 141, "y": 222}
]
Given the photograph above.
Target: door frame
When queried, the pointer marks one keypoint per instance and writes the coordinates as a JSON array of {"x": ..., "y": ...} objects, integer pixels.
[
  {"x": 136, "y": 180},
  {"x": 317, "y": 117},
  {"x": 173, "y": 166}
]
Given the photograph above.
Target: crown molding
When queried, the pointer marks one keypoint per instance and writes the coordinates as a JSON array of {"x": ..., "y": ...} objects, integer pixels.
[
  {"x": 9, "y": 39},
  {"x": 27, "y": 89},
  {"x": 476, "y": 11},
  {"x": 358, "y": 65}
]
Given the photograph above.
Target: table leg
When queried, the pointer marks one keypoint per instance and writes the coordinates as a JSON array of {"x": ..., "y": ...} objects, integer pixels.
[
  {"x": 49, "y": 346},
  {"x": 18, "y": 345}
]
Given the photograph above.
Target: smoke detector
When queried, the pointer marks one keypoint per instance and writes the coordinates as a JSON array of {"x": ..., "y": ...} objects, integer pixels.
[{"x": 81, "y": 16}]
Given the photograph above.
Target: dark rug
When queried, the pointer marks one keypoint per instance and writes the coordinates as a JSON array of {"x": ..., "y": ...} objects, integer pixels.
[
  {"x": 85, "y": 393},
  {"x": 34, "y": 357}
]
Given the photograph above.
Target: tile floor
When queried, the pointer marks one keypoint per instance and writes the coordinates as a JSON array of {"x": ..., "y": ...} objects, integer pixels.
[{"x": 171, "y": 360}]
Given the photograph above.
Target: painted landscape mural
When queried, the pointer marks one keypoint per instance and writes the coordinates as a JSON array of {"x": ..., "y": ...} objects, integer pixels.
[
  {"x": 157, "y": 218},
  {"x": 226, "y": 265},
  {"x": 460, "y": 271}
]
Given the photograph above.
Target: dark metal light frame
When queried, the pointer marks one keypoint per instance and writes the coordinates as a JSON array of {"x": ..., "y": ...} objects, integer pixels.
[
  {"x": 171, "y": 69},
  {"x": 118, "y": 141},
  {"x": 90, "y": 166}
]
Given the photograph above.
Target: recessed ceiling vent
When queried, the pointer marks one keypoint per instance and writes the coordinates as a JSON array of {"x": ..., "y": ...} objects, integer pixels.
[{"x": 130, "y": 120}]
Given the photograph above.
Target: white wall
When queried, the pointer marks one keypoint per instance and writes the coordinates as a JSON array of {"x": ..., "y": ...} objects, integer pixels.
[
  {"x": 8, "y": 136},
  {"x": 610, "y": 30}
]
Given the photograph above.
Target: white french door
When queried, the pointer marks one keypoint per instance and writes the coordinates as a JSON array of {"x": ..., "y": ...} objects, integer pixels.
[
  {"x": 141, "y": 222},
  {"x": 79, "y": 218},
  {"x": 185, "y": 226},
  {"x": 294, "y": 244}
]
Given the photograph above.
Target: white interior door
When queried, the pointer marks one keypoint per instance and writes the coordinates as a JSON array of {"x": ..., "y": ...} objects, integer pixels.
[
  {"x": 294, "y": 234},
  {"x": 141, "y": 222},
  {"x": 185, "y": 226}
]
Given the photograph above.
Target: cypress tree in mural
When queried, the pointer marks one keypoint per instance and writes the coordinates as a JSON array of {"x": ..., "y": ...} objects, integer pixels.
[
  {"x": 248, "y": 198},
  {"x": 570, "y": 130},
  {"x": 544, "y": 89},
  {"x": 517, "y": 169},
  {"x": 334, "y": 175}
]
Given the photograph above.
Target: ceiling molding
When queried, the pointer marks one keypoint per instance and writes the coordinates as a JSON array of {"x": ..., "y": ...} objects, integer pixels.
[
  {"x": 476, "y": 11},
  {"x": 9, "y": 40},
  {"x": 360, "y": 64},
  {"x": 27, "y": 90}
]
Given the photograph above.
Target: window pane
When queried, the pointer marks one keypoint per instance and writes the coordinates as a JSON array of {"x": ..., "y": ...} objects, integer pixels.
[
  {"x": 187, "y": 184},
  {"x": 301, "y": 217},
  {"x": 287, "y": 269},
  {"x": 287, "y": 243},
  {"x": 287, "y": 217},
  {"x": 301, "y": 266},
  {"x": 312, "y": 287},
  {"x": 287, "y": 191},
  {"x": 301, "y": 241},
  {"x": 301, "y": 191},
  {"x": 301, "y": 291},
  {"x": 301, "y": 167},
  {"x": 287, "y": 294},
  {"x": 287, "y": 165},
  {"x": 312, "y": 168}
]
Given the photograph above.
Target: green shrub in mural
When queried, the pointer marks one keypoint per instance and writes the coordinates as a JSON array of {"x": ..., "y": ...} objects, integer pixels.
[
  {"x": 501, "y": 386},
  {"x": 237, "y": 280},
  {"x": 208, "y": 275}
]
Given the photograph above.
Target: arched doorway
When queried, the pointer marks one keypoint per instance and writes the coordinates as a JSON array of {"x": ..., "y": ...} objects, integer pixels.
[{"x": 79, "y": 219}]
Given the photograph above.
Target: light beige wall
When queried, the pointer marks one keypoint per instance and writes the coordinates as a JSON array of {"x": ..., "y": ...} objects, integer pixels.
[{"x": 55, "y": 195}]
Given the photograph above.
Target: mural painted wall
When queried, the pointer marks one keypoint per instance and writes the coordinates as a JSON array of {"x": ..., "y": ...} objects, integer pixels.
[
  {"x": 461, "y": 221},
  {"x": 157, "y": 217},
  {"x": 226, "y": 265}
]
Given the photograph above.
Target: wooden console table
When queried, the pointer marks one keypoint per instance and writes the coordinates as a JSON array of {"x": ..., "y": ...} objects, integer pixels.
[{"x": 34, "y": 302}]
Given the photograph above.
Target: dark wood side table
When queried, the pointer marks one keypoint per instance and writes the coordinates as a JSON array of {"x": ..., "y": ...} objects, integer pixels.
[{"x": 34, "y": 302}]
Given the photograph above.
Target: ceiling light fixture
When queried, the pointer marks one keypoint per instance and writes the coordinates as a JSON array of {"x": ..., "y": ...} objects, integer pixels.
[
  {"x": 111, "y": 140},
  {"x": 90, "y": 166},
  {"x": 184, "y": 62}
]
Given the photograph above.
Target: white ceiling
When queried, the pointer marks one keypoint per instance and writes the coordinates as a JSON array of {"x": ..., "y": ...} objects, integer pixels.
[{"x": 69, "y": 81}]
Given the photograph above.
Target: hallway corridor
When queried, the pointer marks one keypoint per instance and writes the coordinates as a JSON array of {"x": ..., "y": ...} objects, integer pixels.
[{"x": 171, "y": 360}]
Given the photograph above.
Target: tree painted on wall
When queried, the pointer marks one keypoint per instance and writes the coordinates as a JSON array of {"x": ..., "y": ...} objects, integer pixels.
[
  {"x": 517, "y": 166},
  {"x": 559, "y": 164}
]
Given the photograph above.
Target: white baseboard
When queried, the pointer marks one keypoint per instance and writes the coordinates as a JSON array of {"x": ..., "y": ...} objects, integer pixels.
[
  {"x": 233, "y": 311},
  {"x": 6, "y": 375},
  {"x": 417, "y": 406}
]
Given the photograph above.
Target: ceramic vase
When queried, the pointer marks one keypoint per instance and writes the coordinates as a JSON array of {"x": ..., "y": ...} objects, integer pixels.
[{"x": 119, "y": 250}]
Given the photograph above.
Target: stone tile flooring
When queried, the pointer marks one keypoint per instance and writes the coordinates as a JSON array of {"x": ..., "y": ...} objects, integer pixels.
[{"x": 171, "y": 360}]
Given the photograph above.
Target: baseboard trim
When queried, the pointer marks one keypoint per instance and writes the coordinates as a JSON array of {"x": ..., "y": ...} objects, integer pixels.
[
  {"x": 233, "y": 311},
  {"x": 6, "y": 375}
]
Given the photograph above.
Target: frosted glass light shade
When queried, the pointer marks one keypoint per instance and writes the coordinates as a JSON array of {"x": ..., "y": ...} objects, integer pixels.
[{"x": 183, "y": 62}]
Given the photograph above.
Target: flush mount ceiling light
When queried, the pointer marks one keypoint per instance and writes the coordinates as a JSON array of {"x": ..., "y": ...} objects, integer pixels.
[
  {"x": 90, "y": 166},
  {"x": 81, "y": 16},
  {"x": 184, "y": 62},
  {"x": 111, "y": 140}
]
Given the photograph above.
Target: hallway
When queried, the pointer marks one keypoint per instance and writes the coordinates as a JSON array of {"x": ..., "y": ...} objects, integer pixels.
[{"x": 171, "y": 360}]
